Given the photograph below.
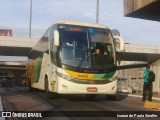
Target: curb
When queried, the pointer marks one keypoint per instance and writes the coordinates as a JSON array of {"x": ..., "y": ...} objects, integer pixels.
[{"x": 139, "y": 96}]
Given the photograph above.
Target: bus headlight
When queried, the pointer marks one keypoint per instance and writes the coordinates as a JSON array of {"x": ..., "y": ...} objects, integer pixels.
[
  {"x": 66, "y": 77},
  {"x": 113, "y": 78}
]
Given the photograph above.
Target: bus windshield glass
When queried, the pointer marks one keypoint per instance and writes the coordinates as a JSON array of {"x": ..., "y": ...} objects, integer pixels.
[{"x": 78, "y": 46}]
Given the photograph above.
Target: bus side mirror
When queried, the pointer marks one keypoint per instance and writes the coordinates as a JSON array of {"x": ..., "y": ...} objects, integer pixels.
[
  {"x": 56, "y": 38},
  {"x": 121, "y": 43},
  {"x": 115, "y": 32}
]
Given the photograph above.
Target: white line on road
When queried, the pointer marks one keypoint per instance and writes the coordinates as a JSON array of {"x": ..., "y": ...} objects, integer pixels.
[
  {"x": 139, "y": 96},
  {"x": 1, "y": 109},
  {"x": 154, "y": 98}
]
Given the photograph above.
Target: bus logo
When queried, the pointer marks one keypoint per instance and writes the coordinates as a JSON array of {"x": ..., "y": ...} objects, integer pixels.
[{"x": 83, "y": 76}]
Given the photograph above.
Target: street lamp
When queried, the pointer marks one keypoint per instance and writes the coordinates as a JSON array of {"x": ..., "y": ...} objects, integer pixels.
[
  {"x": 97, "y": 11},
  {"x": 30, "y": 19}
]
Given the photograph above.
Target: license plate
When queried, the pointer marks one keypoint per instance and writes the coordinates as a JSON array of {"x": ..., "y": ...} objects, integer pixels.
[{"x": 92, "y": 89}]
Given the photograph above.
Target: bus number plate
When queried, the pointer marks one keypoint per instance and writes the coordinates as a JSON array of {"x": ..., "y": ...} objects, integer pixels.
[{"x": 92, "y": 89}]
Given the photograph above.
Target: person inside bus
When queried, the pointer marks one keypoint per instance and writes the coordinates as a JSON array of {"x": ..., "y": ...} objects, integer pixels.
[{"x": 100, "y": 58}]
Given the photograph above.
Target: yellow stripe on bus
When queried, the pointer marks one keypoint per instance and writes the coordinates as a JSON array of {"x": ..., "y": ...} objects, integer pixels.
[{"x": 86, "y": 76}]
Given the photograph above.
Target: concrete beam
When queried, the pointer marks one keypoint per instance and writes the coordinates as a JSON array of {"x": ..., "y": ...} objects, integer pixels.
[
  {"x": 16, "y": 46},
  {"x": 13, "y": 65},
  {"x": 17, "y": 41},
  {"x": 140, "y": 53},
  {"x": 143, "y": 9}
]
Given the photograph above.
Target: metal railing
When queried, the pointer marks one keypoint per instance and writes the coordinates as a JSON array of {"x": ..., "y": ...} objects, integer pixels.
[{"x": 130, "y": 85}]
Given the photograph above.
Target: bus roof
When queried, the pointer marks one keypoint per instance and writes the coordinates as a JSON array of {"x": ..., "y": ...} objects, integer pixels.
[{"x": 81, "y": 23}]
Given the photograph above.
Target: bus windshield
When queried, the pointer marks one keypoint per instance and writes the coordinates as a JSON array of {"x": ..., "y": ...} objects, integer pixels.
[{"x": 78, "y": 46}]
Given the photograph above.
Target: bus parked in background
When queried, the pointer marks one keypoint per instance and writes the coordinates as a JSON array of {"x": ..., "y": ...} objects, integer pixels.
[{"x": 63, "y": 61}]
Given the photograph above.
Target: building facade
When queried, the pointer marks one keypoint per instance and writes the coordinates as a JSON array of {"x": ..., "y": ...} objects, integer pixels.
[{"x": 5, "y": 32}]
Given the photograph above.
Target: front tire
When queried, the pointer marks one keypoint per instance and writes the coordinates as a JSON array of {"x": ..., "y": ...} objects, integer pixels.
[
  {"x": 30, "y": 86},
  {"x": 49, "y": 94}
]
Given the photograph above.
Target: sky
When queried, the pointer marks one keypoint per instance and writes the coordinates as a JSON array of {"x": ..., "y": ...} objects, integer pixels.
[{"x": 15, "y": 15}]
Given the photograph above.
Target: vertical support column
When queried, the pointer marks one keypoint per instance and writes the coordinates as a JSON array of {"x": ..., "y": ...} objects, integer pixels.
[
  {"x": 30, "y": 22},
  {"x": 97, "y": 12}
]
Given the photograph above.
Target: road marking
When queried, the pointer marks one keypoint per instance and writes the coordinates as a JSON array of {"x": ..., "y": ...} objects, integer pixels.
[
  {"x": 1, "y": 109},
  {"x": 147, "y": 104},
  {"x": 152, "y": 105}
]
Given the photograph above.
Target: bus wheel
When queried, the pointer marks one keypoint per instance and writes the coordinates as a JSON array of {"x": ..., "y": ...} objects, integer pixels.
[
  {"x": 29, "y": 86},
  {"x": 49, "y": 94},
  {"x": 90, "y": 96}
]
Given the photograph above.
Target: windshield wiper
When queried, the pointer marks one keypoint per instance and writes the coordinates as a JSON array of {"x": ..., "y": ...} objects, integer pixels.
[
  {"x": 85, "y": 53},
  {"x": 83, "y": 58}
]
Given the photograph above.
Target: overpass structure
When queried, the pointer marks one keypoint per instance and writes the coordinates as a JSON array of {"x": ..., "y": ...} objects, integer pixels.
[
  {"x": 143, "y": 9},
  {"x": 149, "y": 10},
  {"x": 133, "y": 65},
  {"x": 16, "y": 46},
  {"x": 135, "y": 56},
  {"x": 139, "y": 55}
]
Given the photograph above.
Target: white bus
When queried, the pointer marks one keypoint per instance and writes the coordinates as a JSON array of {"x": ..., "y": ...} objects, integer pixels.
[{"x": 63, "y": 61}]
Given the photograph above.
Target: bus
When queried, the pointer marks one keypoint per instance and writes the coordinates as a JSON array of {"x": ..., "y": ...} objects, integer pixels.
[{"x": 63, "y": 60}]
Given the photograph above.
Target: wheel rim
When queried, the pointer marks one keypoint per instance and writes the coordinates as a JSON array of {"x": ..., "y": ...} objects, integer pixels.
[{"x": 46, "y": 86}]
